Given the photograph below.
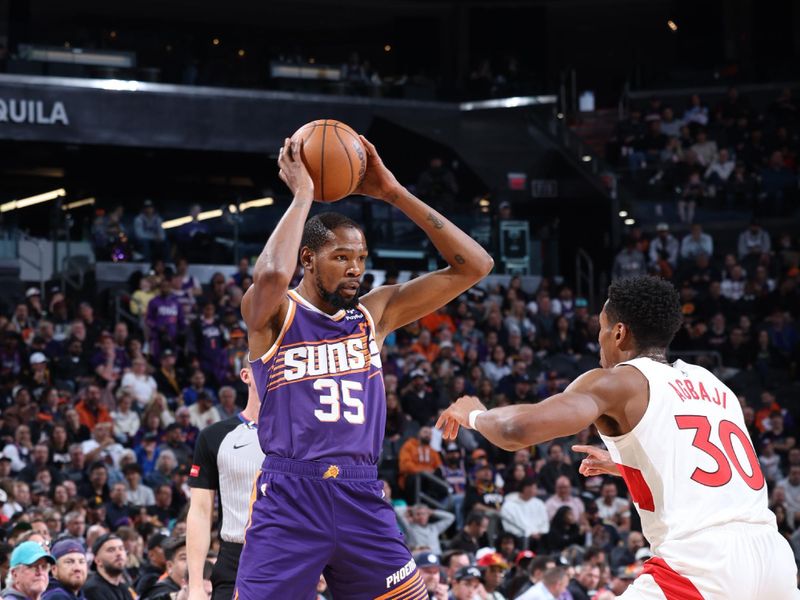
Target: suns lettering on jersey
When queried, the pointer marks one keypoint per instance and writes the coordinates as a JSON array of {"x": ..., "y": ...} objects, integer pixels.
[{"x": 324, "y": 359}]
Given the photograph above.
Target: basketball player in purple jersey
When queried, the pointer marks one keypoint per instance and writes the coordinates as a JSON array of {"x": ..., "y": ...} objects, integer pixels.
[{"x": 317, "y": 505}]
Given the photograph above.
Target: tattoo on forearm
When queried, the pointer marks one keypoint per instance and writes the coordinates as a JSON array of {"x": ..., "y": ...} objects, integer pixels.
[
  {"x": 437, "y": 222},
  {"x": 460, "y": 259}
]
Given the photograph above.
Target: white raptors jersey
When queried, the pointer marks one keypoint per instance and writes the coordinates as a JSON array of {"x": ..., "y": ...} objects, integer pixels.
[{"x": 689, "y": 463}]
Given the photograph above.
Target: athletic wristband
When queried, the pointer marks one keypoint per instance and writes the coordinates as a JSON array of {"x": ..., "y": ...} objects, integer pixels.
[{"x": 473, "y": 416}]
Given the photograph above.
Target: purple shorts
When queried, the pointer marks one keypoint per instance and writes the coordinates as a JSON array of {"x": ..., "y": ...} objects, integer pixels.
[{"x": 309, "y": 518}]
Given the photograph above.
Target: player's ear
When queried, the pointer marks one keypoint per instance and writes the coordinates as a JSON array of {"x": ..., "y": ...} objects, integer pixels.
[
  {"x": 244, "y": 375},
  {"x": 621, "y": 333},
  {"x": 306, "y": 257}
]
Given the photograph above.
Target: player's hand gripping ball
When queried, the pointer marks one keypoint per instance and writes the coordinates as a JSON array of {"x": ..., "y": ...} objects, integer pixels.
[{"x": 334, "y": 156}]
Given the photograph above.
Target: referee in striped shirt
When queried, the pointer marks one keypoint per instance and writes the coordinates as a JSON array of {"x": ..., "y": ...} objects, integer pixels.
[{"x": 227, "y": 457}]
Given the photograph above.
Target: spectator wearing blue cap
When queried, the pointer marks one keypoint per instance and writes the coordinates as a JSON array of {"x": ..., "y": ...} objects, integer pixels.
[
  {"x": 29, "y": 566},
  {"x": 67, "y": 579},
  {"x": 430, "y": 569}
]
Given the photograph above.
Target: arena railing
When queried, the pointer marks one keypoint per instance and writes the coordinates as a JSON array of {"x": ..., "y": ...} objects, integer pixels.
[
  {"x": 434, "y": 481},
  {"x": 761, "y": 93}
]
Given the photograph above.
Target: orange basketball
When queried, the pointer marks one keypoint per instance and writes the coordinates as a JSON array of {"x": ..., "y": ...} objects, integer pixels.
[{"x": 334, "y": 156}]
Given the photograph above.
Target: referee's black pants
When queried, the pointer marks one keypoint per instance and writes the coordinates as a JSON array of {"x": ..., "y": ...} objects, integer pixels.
[{"x": 223, "y": 577}]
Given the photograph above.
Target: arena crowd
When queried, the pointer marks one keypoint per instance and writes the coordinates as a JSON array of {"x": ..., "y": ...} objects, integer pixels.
[{"x": 99, "y": 419}]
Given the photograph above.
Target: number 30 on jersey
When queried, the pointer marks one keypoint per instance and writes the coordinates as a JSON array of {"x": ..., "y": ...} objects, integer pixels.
[{"x": 338, "y": 393}]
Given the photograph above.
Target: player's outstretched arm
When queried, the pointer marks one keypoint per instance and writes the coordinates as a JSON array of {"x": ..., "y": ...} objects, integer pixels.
[
  {"x": 276, "y": 264},
  {"x": 523, "y": 425},
  {"x": 395, "y": 306},
  {"x": 593, "y": 394}
]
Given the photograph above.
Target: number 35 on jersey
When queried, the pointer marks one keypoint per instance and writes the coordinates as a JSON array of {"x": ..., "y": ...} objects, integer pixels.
[{"x": 335, "y": 393}]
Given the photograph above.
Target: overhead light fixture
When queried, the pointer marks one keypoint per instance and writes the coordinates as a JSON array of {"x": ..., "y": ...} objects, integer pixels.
[
  {"x": 623, "y": 214},
  {"x": 209, "y": 214},
  {"x": 176, "y": 222},
  {"x": 267, "y": 201},
  {"x": 217, "y": 212},
  {"x": 387, "y": 48},
  {"x": 31, "y": 200},
  {"x": 586, "y": 158},
  {"x": 78, "y": 204},
  {"x": 630, "y": 221},
  {"x": 672, "y": 25},
  {"x": 119, "y": 85},
  {"x": 483, "y": 202}
]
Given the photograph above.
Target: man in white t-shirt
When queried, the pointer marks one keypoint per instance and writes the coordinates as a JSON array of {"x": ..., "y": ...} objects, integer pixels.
[
  {"x": 19, "y": 501},
  {"x": 613, "y": 509},
  {"x": 554, "y": 583},
  {"x": 141, "y": 385},
  {"x": 126, "y": 421},
  {"x": 203, "y": 412},
  {"x": 791, "y": 485},
  {"x": 102, "y": 445},
  {"x": 138, "y": 493},
  {"x": 524, "y": 515}
]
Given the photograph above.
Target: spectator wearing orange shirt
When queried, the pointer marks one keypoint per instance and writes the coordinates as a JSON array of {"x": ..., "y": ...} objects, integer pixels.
[
  {"x": 436, "y": 320},
  {"x": 446, "y": 339},
  {"x": 417, "y": 456},
  {"x": 768, "y": 406},
  {"x": 91, "y": 410},
  {"x": 425, "y": 346}
]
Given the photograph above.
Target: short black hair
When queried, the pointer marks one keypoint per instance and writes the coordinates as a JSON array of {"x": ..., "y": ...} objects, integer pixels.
[
  {"x": 591, "y": 552},
  {"x": 476, "y": 517},
  {"x": 132, "y": 468},
  {"x": 172, "y": 545},
  {"x": 447, "y": 557},
  {"x": 649, "y": 306},
  {"x": 539, "y": 563},
  {"x": 318, "y": 229}
]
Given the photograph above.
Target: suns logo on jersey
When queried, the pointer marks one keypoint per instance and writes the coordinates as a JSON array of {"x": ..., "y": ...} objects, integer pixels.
[{"x": 325, "y": 359}]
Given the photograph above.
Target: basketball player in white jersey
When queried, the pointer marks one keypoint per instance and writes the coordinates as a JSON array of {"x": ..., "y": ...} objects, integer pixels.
[{"x": 676, "y": 434}]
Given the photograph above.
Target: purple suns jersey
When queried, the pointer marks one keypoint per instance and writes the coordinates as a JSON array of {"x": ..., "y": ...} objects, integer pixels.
[{"x": 321, "y": 387}]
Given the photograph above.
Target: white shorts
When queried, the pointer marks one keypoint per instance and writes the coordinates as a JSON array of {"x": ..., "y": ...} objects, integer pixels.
[{"x": 741, "y": 561}]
